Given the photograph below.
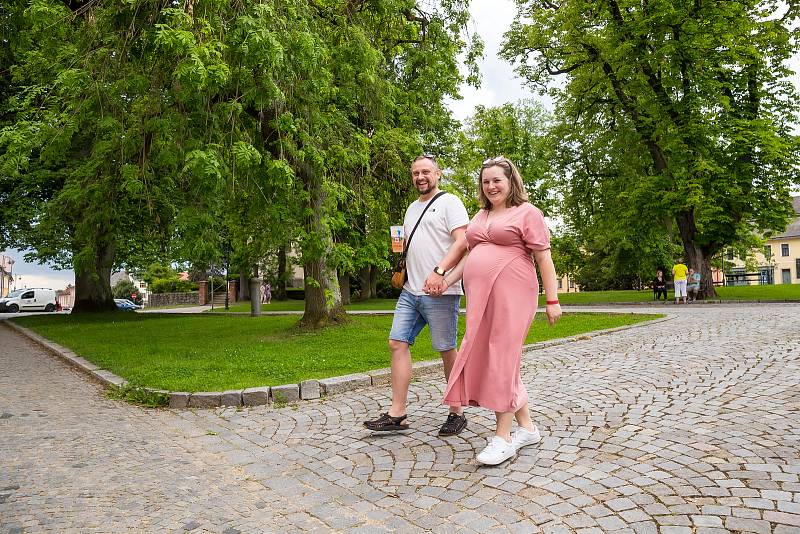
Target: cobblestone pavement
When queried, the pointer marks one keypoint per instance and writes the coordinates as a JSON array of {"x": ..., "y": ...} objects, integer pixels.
[{"x": 686, "y": 426}]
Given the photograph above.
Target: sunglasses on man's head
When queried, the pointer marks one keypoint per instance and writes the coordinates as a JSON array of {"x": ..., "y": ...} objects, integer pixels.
[{"x": 426, "y": 156}]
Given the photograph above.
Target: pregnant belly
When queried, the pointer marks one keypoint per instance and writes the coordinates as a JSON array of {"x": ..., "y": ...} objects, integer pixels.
[{"x": 487, "y": 260}]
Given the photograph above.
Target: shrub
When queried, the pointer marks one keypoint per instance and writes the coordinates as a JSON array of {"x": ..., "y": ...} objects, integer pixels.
[
  {"x": 172, "y": 285},
  {"x": 125, "y": 289}
]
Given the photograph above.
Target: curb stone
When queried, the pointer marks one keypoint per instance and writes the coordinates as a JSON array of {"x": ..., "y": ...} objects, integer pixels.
[
  {"x": 286, "y": 393},
  {"x": 305, "y": 390},
  {"x": 310, "y": 389},
  {"x": 340, "y": 384}
]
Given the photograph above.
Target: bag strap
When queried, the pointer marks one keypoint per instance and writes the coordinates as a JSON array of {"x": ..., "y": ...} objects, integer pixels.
[{"x": 408, "y": 241}]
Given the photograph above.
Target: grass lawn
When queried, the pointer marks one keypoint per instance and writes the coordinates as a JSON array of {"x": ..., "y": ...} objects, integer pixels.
[
  {"x": 766, "y": 292},
  {"x": 769, "y": 292},
  {"x": 297, "y": 305},
  {"x": 216, "y": 353}
]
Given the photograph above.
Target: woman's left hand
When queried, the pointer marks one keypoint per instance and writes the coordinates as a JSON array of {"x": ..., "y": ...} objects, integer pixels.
[{"x": 553, "y": 313}]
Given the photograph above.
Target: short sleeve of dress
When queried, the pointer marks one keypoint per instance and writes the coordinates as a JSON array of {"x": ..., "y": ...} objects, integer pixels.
[{"x": 535, "y": 234}]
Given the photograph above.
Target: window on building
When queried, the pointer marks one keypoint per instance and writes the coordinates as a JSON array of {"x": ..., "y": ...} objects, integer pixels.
[
  {"x": 784, "y": 249},
  {"x": 768, "y": 252},
  {"x": 561, "y": 283},
  {"x": 797, "y": 267},
  {"x": 571, "y": 284},
  {"x": 729, "y": 255},
  {"x": 142, "y": 284}
]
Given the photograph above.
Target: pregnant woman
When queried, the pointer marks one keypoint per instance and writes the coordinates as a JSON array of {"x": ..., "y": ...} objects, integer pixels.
[{"x": 507, "y": 239}]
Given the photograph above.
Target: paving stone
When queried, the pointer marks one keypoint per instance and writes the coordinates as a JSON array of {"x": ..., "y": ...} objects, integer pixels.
[
  {"x": 782, "y": 518},
  {"x": 664, "y": 434},
  {"x": 747, "y": 525},
  {"x": 256, "y": 396}
]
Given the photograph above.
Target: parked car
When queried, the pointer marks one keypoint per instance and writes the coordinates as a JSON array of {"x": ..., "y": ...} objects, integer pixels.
[
  {"x": 126, "y": 305},
  {"x": 29, "y": 299}
]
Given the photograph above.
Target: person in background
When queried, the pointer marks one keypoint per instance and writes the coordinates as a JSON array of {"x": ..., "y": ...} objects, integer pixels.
[
  {"x": 693, "y": 285},
  {"x": 660, "y": 285},
  {"x": 679, "y": 271}
]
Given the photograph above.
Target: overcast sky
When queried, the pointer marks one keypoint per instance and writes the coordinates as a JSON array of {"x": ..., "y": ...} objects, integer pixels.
[{"x": 490, "y": 19}]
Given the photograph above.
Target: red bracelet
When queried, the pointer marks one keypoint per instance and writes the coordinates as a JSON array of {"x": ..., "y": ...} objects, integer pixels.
[{"x": 552, "y": 302}]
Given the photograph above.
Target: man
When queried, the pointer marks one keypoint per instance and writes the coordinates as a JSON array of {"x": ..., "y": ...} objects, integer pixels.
[
  {"x": 679, "y": 271},
  {"x": 693, "y": 285},
  {"x": 441, "y": 227}
]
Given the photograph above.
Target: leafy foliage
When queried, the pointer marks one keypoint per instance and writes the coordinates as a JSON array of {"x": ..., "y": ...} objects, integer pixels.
[
  {"x": 675, "y": 119},
  {"x": 219, "y": 132}
]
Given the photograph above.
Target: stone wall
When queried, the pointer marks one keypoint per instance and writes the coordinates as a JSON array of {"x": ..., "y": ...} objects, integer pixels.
[{"x": 173, "y": 299}]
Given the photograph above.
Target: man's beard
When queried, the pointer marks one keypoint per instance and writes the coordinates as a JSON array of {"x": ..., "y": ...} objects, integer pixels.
[{"x": 426, "y": 191}]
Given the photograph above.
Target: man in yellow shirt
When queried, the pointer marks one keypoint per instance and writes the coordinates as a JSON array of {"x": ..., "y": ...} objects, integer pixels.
[{"x": 679, "y": 271}]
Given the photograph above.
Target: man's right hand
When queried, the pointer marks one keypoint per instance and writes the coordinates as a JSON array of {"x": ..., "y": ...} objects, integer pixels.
[{"x": 434, "y": 285}]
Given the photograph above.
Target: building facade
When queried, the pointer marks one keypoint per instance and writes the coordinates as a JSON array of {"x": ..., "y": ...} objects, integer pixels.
[
  {"x": 778, "y": 262},
  {"x": 6, "y": 275}
]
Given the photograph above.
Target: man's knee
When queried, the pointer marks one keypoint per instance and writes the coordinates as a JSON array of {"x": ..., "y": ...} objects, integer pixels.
[{"x": 397, "y": 346}]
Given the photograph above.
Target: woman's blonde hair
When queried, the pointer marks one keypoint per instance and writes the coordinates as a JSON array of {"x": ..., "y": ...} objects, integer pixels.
[{"x": 516, "y": 195}]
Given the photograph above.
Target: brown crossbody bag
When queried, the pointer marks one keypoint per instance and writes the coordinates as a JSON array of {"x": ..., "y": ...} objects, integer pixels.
[{"x": 399, "y": 275}]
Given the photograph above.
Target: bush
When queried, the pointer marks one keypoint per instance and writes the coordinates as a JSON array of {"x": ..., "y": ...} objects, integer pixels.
[
  {"x": 125, "y": 289},
  {"x": 172, "y": 285}
]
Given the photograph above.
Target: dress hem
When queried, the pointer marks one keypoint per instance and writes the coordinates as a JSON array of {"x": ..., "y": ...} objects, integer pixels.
[{"x": 477, "y": 404}]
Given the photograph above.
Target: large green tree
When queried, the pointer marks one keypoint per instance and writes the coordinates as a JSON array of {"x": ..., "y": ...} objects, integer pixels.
[
  {"x": 516, "y": 131},
  {"x": 676, "y": 110},
  {"x": 208, "y": 131},
  {"x": 89, "y": 145}
]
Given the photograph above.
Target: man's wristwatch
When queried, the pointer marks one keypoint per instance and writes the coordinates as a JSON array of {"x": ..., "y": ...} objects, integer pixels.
[{"x": 438, "y": 270}]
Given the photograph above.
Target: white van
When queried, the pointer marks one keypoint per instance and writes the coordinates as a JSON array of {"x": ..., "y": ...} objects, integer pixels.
[{"x": 29, "y": 299}]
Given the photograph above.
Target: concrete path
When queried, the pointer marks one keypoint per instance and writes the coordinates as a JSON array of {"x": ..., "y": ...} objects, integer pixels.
[{"x": 687, "y": 426}]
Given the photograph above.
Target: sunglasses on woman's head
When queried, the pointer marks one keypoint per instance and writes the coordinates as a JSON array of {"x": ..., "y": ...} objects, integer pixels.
[{"x": 494, "y": 161}]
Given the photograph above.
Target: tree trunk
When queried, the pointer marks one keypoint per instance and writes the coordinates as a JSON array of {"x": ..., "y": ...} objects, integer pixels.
[
  {"x": 323, "y": 300},
  {"x": 344, "y": 287},
  {"x": 366, "y": 284},
  {"x": 333, "y": 302},
  {"x": 373, "y": 280},
  {"x": 93, "y": 283},
  {"x": 696, "y": 257},
  {"x": 280, "y": 285}
]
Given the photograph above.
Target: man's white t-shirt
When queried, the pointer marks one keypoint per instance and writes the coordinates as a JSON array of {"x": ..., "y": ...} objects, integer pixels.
[{"x": 432, "y": 239}]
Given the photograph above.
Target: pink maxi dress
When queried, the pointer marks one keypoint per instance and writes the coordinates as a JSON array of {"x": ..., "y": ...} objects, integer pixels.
[{"x": 502, "y": 292}]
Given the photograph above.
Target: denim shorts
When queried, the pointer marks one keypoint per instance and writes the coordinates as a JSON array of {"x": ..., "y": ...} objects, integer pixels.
[{"x": 413, "y": 312}]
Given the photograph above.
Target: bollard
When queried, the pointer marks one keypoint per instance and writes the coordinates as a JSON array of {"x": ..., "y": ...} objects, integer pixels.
[{"x": 255, "y": 296}]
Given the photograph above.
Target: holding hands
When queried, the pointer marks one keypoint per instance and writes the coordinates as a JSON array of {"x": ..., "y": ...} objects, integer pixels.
[{"x": 435, "y": 284}]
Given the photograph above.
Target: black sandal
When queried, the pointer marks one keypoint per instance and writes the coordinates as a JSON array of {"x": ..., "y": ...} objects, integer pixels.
[{"x": 386, "y": 422}]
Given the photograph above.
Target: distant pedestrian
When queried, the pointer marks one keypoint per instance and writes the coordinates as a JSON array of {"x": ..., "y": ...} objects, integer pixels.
[
  {"x": 660, "y": 285},
  {"x": 679, "y": 271},
  {"x": 266, "y": 293},
  {"x": 693, "y": 285}
]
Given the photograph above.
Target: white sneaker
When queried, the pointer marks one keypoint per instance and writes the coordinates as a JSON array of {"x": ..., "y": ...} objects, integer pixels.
[
  {"x": 496, "y": 452},
  {"x": 524, "y": 437}
]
